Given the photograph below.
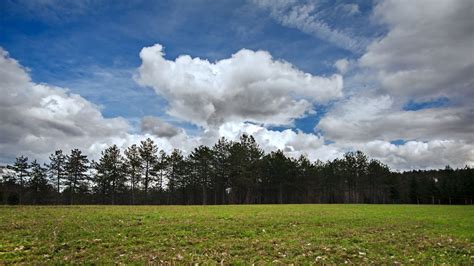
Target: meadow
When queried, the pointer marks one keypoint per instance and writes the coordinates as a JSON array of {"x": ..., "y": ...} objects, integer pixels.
[{"x": 419, "y": 234}]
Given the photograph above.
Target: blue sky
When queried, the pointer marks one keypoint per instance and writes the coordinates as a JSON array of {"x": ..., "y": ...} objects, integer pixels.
[
  {"x": 387, "y": 77},
  {"x": 93, "y": 48}
]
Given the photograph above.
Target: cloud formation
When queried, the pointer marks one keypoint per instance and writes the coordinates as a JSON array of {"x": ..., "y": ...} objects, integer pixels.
[
  {"x": 36, "y": 118},
  {"x": 248, "y": 86},
  {"x": 293, "y": 143},
  {"x": 425, "y": 54},
  {"x": 304, "y": 17},
  {"x": 434, "y": 137},
  {"x": 158, "y": 127},
  {"x": 377, "y": 118},
  {"x": 428, "y": 50},
  {"x": 342, "y": 65},
  {"x": 350, "y": 9},
  {"x": 421, "y": 154}
]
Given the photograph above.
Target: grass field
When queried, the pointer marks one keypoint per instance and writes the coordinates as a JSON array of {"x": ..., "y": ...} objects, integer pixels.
[{"x": 231, "y": 234}]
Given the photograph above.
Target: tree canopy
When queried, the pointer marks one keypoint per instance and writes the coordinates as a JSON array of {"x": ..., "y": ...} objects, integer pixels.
[{"x": 229, "y": 172}]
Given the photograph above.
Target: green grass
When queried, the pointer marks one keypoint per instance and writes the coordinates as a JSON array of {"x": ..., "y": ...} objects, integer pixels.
[{"x": 233, "y": 234}]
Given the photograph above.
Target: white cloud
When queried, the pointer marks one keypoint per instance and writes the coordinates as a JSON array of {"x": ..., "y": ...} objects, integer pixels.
[
  {"x": 304, "y": 17},
  {"x": 349, "y": 9},
  {"x": 428, "y": 50},
  {"x": 225, "y": 96},
  {"x": 369, "y": 118},
  {"x": 436, "y": 136},
  {"x": 37, "y": 119},
  {"x": 292, "y": 143},
  {"x": 426, "y": 53},
  {"x": 248, "y": 86},
  {"x": 421, "y": 155},
  {"x": 342, "y": 65}
]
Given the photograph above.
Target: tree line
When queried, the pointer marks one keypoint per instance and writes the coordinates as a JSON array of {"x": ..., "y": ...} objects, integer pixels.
[{"x": 229, "y": 172}]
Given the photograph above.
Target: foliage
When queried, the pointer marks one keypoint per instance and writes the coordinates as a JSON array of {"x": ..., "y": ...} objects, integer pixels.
[{"x": 230, "y": 172}]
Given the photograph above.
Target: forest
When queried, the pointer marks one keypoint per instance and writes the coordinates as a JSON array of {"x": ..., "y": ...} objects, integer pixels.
[{"x": 229, "y": 172}]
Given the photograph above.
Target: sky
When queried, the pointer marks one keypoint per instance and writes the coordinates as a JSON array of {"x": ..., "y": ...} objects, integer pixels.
[{"x": 394, "y": 79}]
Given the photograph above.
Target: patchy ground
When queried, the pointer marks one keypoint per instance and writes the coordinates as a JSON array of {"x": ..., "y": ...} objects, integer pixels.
[{"x": 247, "y": 233}]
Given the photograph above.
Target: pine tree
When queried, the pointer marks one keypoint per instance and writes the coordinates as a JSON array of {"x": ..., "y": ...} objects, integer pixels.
[
  {"x": 176, "y": 169},
  {"x": 245, "y": 159},
  {"x": 21, "y": 168},
  {"x": 133, "y": 164},
  {"x": 76, "y": 168},
  {"x": 221, "y": 164},
  {"x": 57, "y": 171},
  {"x": 148, "y": 155},
  {"x": 160, "y": 169},
  {"x": 414, "y": 190},
  {"x": 38, "y": 182},
  {"x": 110, "y": 177},
  {"x": 202, "y": 169}
]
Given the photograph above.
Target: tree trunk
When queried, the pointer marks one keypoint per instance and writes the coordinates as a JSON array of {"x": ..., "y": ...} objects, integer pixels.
[
  {"x": 146, "y": 183},
  {"x": 58, "y": 188},
  {"x": 20, "y": 200},
  {"x": 71, "y": 192},
  {"x": 132, "y": 185},
  {"x": 113, "y": 193},
  {"x": 280, "y": 194},
  {"x": 215, "y": 196},
  {"x": 204, "y": 195}
]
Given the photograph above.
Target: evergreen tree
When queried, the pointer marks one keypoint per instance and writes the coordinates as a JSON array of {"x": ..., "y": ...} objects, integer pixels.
[
  {"x": 176, "y": 175},
  {"x": 21, "y": 167},
  {"x": 414, "y": 191},
  {"x": 244, "y": 157},
  {"x": 305, "y": 184},
  {"x": 277, "y": 173},
  {"x": 133, "y": 164},
  {"x": 76, "y": 168},
  {"x": 148, "y": 155},
  {"x": 202, "y": 170},
  {"x": 221, "y": 164},
  {"x": 230, "y": 172},
  {"x": 110, "y": 178},
  {"x": 57, "y": 171},
  {"x": 38, "y": 183},
  {"x": 160, "y": 169}
]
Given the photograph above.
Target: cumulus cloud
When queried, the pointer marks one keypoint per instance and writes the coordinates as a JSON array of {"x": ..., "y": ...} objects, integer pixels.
[
  {"x": 248, "y": 86},
  {"x": 38, "y": 117},
  {"x": 421, "y": 154},
  {"x": 434, "y": 137},
  {"x": 250, "y": 90},
  {"x": 293, "y": 143},
  {"x": 427, "y": 52},
  {"x": 410, "y": 155},
  {"x": 368, "y": 118},
  {"x": 158, "y": 127}
]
